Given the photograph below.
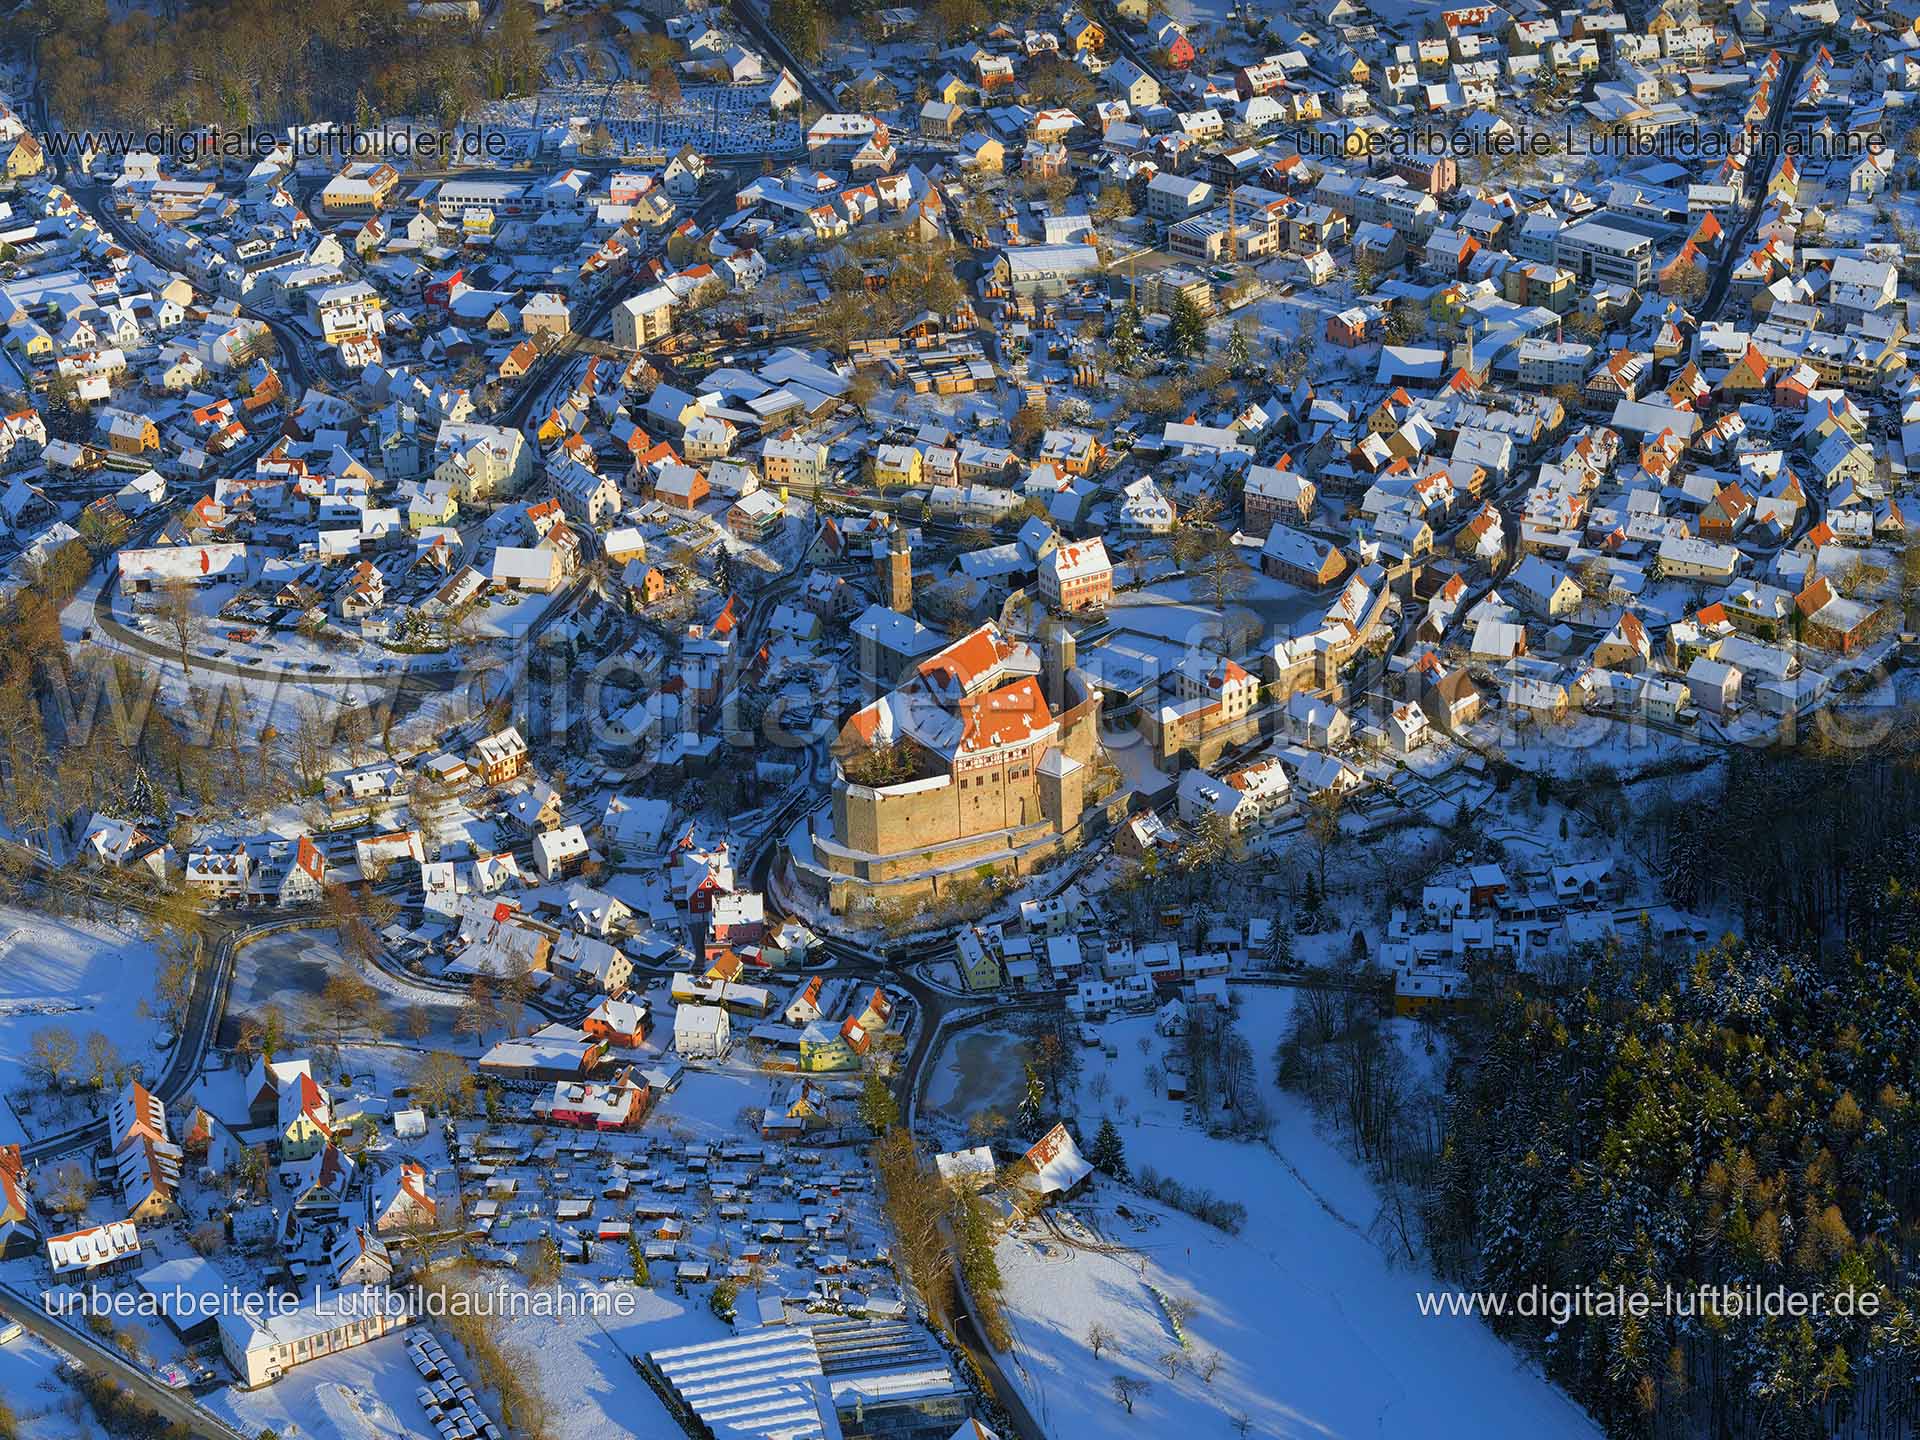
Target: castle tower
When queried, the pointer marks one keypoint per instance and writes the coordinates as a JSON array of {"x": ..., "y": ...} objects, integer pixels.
[
  {"x": 893, "y": 570},
  {"x": 1063, "y": 789},
  {"x": 1059, "y": 654}
]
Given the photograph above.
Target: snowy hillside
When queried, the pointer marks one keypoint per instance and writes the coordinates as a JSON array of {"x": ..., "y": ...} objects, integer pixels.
[{"x": 1316, "y": 1326}]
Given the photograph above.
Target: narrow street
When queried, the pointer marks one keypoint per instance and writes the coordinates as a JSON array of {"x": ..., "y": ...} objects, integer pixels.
[
  {"x": 1780, "y": 109},
  {"x": 173, "y": 1405}
]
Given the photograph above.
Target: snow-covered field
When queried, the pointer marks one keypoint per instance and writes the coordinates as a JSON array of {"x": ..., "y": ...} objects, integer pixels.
[
  {"x": 584, "y": 1362},
  {"x": 44, "y": 1405},
  {"x": 361, "y": 1394},
  {"x": 1311, "y": 1309},
  {"x": 76, "y": 976}
]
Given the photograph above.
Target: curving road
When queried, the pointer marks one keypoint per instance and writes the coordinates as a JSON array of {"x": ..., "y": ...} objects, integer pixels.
[{"x": 200, "y": 1026}]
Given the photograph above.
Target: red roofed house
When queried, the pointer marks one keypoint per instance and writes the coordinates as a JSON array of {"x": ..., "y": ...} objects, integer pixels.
[
  {"x": 879, "y": 1010},
  {"x": 295, "y": 875},
  {"x": 1626, "y": 646},
  {"x": 519, "y": 360},
  {"x": 306, "y": 1118},
  {"x": 1791, "y": 390},
  {"x": 1726, "y": 514},
  {"x": 17, "y": 1230},
  {"x": 618, "y": 1022},
  {"x": 1056, "y": 1165},
  {"x": 859, "y": 1038},
  {"x": 146, "y": 1162},
  {"x": 616, "y": 1104},
  {"x": 320, "y": 1181},
  {"x": 1833, "y": 622},
  {"x": 1749, "y": 372}
]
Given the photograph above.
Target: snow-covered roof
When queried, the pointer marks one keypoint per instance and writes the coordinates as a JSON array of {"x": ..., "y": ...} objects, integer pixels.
[
  {"x": 91, "y": 1248},
  {"x": 1057, "y": 1162}
]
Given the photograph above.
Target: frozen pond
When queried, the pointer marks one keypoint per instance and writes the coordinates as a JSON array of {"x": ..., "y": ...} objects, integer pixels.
[
  {"x": 980, "y": 1069},
  {"x": 282, "y": 969},
  {"x": 291, "y": 969}
]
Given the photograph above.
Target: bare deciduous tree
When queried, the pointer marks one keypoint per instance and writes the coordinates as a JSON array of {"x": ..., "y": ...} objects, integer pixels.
[
  {"x": 176, "y": 606},
  {"x": 480, "y": 1013},
  {"x": 52, "y": 1052},
  {"x": 102, "y": 1060},
  {"x": 68, "y": 1190}
]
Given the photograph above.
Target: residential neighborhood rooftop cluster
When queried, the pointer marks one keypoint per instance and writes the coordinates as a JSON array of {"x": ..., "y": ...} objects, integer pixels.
[{"x": 720, "y": 705}]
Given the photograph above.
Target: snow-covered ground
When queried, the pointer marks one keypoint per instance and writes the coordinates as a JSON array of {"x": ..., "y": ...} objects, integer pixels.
[
  {"x": 44, "y": 1405},
  {"x": 361, "y": 1394},
  {"x": 583, "y": 1362},
  {"x": 1311, "y": 1309},
  {"x": 580, "y": 1362},
  {"x": 72, "y": 975},
  {"x": 1316, "y": 1335}
]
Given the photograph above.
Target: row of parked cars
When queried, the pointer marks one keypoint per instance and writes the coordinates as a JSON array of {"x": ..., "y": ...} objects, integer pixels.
[{"x": 447, "y": 1398}]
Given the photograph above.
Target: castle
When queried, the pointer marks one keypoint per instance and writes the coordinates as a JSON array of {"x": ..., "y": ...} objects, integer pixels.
[{"x": 981, "y": 759}]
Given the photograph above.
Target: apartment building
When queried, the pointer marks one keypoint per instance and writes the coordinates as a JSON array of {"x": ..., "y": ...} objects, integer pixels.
[
  {"x": 1077, "y": 575},
  {"x": 1553, "y": 362},
  {"x": 643, "y": 319},
  {"x": 1595, "y": 250},
  {"x": 1175, "y": 197}
]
